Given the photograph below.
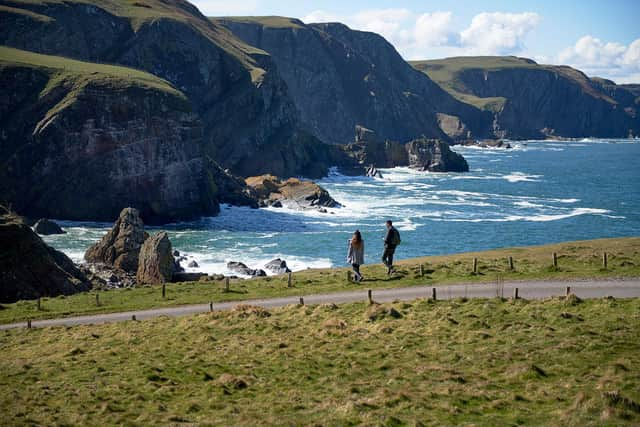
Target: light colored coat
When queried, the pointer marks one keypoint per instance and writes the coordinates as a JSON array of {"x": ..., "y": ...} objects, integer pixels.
[{"x": 355, "y": 255}]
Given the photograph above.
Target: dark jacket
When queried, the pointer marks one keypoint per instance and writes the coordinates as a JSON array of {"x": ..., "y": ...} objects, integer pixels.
[{"x": 387, "y": 237}]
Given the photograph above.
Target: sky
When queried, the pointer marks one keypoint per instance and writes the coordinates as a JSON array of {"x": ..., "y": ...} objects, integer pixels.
[{"x": 601, "y": 38}]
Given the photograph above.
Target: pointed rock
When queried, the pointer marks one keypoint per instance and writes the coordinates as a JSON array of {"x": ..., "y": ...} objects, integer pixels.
[{"x": 156, "y": 263}]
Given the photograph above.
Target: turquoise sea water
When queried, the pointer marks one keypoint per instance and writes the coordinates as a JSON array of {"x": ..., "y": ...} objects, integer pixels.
[{"x": 534, "y": 193}]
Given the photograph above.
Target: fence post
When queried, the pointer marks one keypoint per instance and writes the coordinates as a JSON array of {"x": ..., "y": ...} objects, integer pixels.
[
  {"x": 290, "y": 280},
  {"x": 210, "y": 306},
  {"x": 555, "y": 260},
  {"x": 164, "y": 290},
  {"x": 370, "y": 296},
  {"x": 604, "y": 260},
  {"x": 515, "y": 293},
  {"x": 421, "y": 270},
  {"x": 28, "y": 323},
  {"x": 511, "y": 263},
  {"x": 301, "y": 301},
  {"x": 475, "y": 265},
  {"x": 133, "y": 317},
  {"x": 226, "y": 284},
  {"x": 568, "y": 290},
  {"x": 433, "y": 294}
]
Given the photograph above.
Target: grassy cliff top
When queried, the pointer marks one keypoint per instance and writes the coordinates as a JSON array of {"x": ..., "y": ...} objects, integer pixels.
[
  {"x": 65, "y": 68},
  {"x": 265, "y": 21},
  {"x": 446, "y": 72},
  {"x": 141, "y": 12}
]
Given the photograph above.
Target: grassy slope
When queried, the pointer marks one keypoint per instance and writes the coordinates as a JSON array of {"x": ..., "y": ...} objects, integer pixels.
[
  {"x": 265, "y": 21},
  {"x": 62, "y": 68},
  {"x": 576, "y": 260},
  {"x": 480, "y": 362},
  {"x": 139, "y": 12},
  {"x": 445, "y": 72}
]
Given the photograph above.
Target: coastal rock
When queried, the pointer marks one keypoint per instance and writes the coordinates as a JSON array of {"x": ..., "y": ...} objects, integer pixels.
[
  {"x": 434, "y": 156},
  {"x": 241, "y": 268},
  {"x": 29, "y": 268},
  {"x": 189, "y": 277},
  {"x": 46, "y": 227},
  {"x": 272, "y": 191},
  {"x": 277, "y": 266},
  {"x": 156, "y": 263},
  {"x": 193, "y": 264},
  {"x": 490, "y": 143},
  {"x": 120, "y": 247}
]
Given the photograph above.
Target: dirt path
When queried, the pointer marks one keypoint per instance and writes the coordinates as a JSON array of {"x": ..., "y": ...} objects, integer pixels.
[{"x": 618, "y": 288}]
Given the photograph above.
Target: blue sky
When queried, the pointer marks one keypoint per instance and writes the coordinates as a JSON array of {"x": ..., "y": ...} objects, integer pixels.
[{"x": 602, "y": 38}]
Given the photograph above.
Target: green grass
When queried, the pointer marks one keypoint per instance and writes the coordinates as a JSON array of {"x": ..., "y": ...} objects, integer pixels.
[
  {"x": 80, "y": 73},
  {"x": 559, "y": 362},
  {"x": 447, "y": 73},
  {"x": 265, "y": 21},
  {"x": 575, "y": 260}
]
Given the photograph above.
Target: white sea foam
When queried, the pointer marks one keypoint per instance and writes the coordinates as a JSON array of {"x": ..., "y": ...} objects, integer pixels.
[{"x": 521, "y": 177}]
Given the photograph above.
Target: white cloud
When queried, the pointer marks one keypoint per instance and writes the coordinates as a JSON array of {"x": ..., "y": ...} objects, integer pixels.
[
  {"x": 226, "y": 8},
  {"x": 321, "y": 16},
  {"x": 434, "y": 29},
  {"x": 606, "y": 59},
  {"x": 498, "y": 33}
]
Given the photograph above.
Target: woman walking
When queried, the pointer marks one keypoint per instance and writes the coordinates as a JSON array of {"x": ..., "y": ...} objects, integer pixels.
[{"x": 355, "y": 254}]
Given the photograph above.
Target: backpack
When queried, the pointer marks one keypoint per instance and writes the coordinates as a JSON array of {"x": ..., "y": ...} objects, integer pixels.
[{"x": 395, "y": 237}]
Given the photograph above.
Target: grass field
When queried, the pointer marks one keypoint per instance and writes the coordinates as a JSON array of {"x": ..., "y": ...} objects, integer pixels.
[
  {"x": 557, "y": 362},
  {"x": 581, "y": 259}
]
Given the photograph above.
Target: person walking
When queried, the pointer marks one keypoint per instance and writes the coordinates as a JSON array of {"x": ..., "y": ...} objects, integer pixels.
[
  {"x": 391, "y": 240},
  {"x": 355, "y": 254}
]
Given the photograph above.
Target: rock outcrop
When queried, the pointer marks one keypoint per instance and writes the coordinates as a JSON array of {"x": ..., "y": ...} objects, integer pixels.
[
  {"x": 293, "y": 193},
  {"x": 277, "y": 266},
  {"x": 46, "y": 227},
  {"x": 155, "y": 262},
  {"x": 29, "y": 268},
  {"x": 369, "y": 153},
  {"x": 240, "y": 268},
  {"x": 434, "y": 156},
  {"x": 120, "y": 247}
]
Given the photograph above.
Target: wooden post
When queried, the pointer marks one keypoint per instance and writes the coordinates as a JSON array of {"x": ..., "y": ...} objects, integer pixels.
[
  {"x": 475, "y": 266},
  {"x": 210, "y": 306},
  {"x": 421, "y": 270},
  {"x": 555, "y": 260},
  {"x": 301, "y": 301},
  {"x": 568, "y": 291},
  {"x": 226, "y": 284},
  {"x": 97, "y": 299},
  {"x": 38, "y": 303},
  {"x": 515, "y": 293},
  {"x": 133, "y": 317},
  {"x": 604, "y": 260},
  {"x": 28, "y": 323},
  {"x": 164, "y": 290},
  {"x": 511, "y": 263},
  {"x": 370, "y": 296},
  {"x": 433, "y": 294},
  {"x": 348, "y": 277},
  {"x": 290, "y": 280}
]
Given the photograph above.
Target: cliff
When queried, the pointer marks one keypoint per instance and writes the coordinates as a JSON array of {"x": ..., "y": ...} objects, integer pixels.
[
  {"x": 244, "y": 106},
  {"x": 82, "y": 140},
  {"x": 529, "y": 100},
  {"x": 339, "y": 78},
  {"x": 29, "y": 268}
]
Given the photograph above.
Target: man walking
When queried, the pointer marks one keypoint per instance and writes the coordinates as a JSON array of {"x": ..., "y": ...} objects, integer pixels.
[{"x": 391, "y": 240}]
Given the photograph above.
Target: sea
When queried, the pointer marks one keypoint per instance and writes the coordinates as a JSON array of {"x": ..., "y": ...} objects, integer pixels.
[{"x": 536, "y": 192}]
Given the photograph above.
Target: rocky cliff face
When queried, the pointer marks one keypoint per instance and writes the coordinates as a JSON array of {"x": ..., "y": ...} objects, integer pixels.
[
  {"x": 246, "y": 110},
  {"x": 29, "y": 268},
  {"x": 339, "y": 78},
  {"x": 529, "y": 100},
  {"x": 83, "y": 146}
]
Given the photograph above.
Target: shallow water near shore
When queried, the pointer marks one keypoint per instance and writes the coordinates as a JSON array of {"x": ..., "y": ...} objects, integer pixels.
[{"x": 538, "y": 192}]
